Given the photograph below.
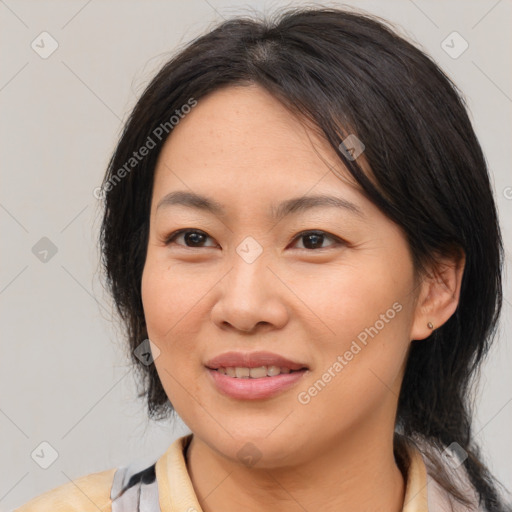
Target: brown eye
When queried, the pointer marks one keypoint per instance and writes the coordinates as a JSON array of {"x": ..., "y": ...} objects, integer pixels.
[
  {"x": 315, "y": 239},
  {"x": 192, "y": 238}
]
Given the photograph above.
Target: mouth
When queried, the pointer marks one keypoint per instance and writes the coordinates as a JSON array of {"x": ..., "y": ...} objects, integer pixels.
[{"x": 254, "y": 375}]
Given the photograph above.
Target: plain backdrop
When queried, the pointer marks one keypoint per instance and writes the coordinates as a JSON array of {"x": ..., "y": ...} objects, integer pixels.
[{"x": 64, "y": 373}]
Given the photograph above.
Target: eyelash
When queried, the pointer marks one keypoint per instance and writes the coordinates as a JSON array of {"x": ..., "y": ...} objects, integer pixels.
[{"x": 338, "y": 241}]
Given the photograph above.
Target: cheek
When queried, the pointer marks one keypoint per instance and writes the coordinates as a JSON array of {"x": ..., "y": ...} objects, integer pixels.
[
  {"x": 364, "y": 310},
  {"x": 171, "y": 299},
  {"x": 163, "y": 310},
  {"x": 168, "y": 315},
  {"x": 343, "y": 300},
  {"x": 359, "y": 371}
]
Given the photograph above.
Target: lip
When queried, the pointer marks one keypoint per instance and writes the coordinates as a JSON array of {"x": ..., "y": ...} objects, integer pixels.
[
  {"x": 254, "y": 389},
  {"x": 252, "y": 360}
]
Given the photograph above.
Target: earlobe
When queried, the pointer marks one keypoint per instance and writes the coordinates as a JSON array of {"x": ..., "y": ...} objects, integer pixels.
[{"x": 438, "y": 297}]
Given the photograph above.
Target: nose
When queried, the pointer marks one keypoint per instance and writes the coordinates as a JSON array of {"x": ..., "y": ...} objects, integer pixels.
[{"x": 250, "y": 298}]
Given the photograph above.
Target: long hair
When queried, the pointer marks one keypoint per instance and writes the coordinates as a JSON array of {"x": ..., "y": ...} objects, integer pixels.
[{"x": 347, "y": 73}]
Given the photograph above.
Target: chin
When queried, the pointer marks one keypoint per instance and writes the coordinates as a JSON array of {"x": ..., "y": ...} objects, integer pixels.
[{"x": 259, "y": 450}]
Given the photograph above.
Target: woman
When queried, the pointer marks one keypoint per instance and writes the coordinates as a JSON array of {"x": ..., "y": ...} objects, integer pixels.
[{"x": 298, "y": 215}]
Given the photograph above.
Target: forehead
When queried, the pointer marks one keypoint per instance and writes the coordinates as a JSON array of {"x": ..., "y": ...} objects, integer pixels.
[
  {"x": 240, "y": 113},
  {"x": 240, "y": 139}
]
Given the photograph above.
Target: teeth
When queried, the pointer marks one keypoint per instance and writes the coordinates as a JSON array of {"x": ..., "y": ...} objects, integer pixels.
[
  {"x": 274, "y": 370},
  {"x": 257, "y": 373},
  {"x": 253, "y": 373},
  {"x": 242, "y": 373}
]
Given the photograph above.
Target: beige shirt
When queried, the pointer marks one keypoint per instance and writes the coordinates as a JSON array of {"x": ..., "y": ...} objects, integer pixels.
[{"x": 176, "y": 493}]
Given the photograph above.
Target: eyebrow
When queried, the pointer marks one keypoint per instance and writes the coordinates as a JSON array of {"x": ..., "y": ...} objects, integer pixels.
[{"x": 277, "y": 212}]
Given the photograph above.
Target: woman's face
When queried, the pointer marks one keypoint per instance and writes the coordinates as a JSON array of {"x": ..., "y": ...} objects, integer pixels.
[{"x": 341, "y": 303}]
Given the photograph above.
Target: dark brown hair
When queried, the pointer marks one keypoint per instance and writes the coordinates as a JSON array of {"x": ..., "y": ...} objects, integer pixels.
[{"x": 346, "y": 73}]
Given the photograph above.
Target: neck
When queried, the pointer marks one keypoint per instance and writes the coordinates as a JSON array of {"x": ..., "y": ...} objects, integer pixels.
[{"x": 354, "y": 474}]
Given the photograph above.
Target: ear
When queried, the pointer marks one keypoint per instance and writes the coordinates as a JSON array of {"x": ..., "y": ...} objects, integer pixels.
[{"x": 438, "y": 295}]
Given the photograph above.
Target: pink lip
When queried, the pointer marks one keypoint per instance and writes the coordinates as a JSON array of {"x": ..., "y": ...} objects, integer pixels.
[
  {"x": 252, "y": 360},
  {"x": 254, "y": 389}
]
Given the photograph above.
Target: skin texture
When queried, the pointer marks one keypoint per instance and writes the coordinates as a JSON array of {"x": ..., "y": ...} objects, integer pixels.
[{"x": 241, "y": 147}]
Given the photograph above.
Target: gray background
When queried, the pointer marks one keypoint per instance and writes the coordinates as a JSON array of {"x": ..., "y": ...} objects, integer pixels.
[{"x": 64, "y": 374}]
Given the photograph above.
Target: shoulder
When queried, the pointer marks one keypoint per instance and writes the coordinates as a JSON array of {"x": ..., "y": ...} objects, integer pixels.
[{"x": 84, "y": 494}]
